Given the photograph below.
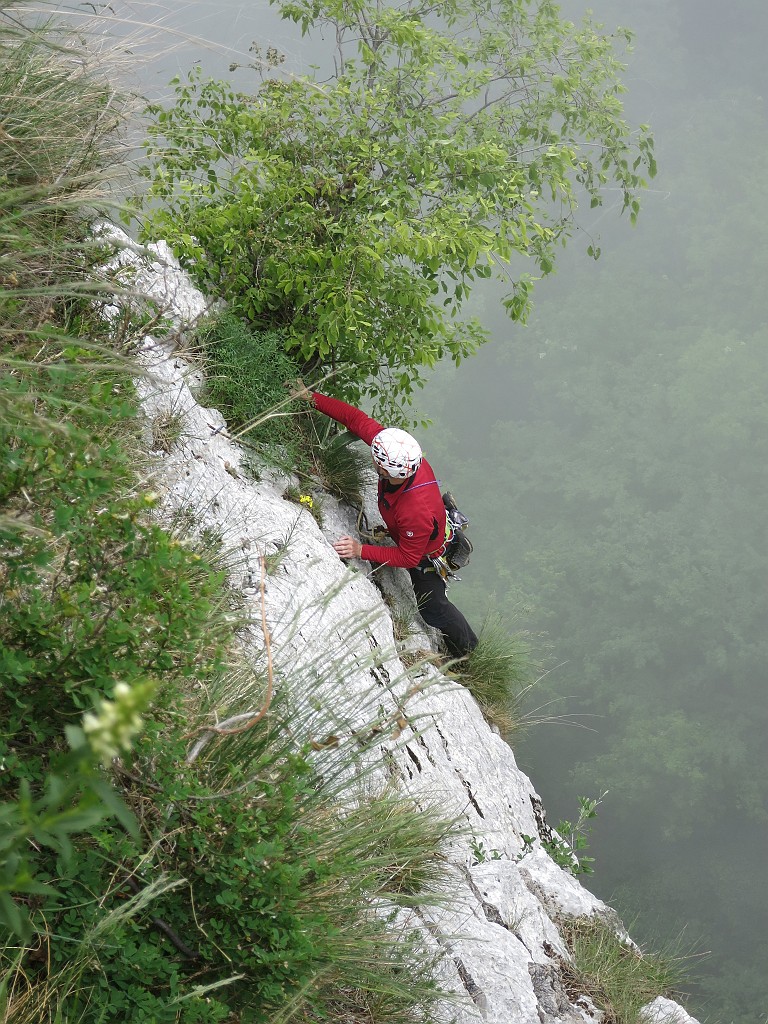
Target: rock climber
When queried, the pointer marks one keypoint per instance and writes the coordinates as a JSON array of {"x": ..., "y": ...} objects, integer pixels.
[{"x": 412, "y": 508}]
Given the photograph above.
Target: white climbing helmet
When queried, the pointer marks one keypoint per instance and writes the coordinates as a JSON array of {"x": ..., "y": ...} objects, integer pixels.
[{"x": 396, "y": 452}]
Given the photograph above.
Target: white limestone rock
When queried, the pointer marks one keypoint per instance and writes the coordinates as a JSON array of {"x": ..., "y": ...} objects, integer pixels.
[
  {"x": 666, "y": 1011},
  {"x": 558, "y": 890}
]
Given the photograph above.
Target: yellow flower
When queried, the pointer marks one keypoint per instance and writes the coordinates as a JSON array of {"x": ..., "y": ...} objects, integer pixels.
[{"x": 306, "y": 499}]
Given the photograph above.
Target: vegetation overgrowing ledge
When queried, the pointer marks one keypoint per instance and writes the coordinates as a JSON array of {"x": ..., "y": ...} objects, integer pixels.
[{"x": 281, "y": 895}]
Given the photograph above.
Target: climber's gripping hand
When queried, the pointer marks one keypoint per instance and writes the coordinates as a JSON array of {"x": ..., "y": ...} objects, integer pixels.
[
  {"x": 348, "y": 547},
  {"x": 298, "y": 389}
]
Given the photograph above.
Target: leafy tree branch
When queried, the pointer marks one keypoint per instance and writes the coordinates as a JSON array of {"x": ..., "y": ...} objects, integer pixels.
[{"x": 454, "y": 142}]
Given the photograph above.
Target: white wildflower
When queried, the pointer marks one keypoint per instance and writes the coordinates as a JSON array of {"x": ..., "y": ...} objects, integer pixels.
[{"x": 113, "y": 727}]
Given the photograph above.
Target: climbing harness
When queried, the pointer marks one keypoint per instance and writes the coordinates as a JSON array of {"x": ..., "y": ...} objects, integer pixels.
[
  {"x": 454, "y": 552},
  {"x": 457, "y": 548}
]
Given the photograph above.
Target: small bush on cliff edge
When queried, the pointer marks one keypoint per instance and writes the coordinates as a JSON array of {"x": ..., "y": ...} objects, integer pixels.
[{"x": 244, "y": 374}]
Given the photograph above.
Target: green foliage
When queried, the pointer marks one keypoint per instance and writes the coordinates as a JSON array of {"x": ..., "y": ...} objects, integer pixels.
[
  {"x": 480, "y": 853},
  {"x": 244, "y": 375},
  {"x": 245, "y": 909},
  {"x": 74, "y": 591},
  {"x": 618, "y": 977},
  {"x": 94, "y": 596},
  {"x": 287, "y": 897},
  {"x": 566, "y": 845},
  {"x": 31, "y": 993},
  {"x": 56, "y": 479},
  {"x": 357, "y": 214}
]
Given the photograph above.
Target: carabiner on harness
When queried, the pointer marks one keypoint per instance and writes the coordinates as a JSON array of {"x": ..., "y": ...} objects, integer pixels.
[{"x": 439, "y": 562}]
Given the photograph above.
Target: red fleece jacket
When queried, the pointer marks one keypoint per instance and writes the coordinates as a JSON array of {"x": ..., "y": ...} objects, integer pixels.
[{"x": 414, "y": 511}]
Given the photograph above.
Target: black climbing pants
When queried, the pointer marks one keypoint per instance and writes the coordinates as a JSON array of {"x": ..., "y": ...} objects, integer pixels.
[{"x": 437, "y": 611}]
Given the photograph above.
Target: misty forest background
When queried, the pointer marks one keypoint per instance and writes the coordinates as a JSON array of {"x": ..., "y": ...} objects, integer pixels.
[{"x": 611, "y": 456}]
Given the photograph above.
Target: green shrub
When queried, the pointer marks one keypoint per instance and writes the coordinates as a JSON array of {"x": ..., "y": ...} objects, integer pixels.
[
  {"x": 86, "y": 568},
  {"x": 322, "y": 209},
  {"x": 287, "y": 895},
  {"x": 247, "y": 865},
  {"x": 246, "y": 370},
  {"x": 93, "y": 595}
]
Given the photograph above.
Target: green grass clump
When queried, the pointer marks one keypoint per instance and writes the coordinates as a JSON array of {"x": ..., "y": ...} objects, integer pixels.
[
  {"x": 406, "y": 855},
  {"x": 389, "y": 998},
  {"x": 619, "y": 978},
  {"x": 246, "y": 370},
  {"x": 59, "y": 158},
  {"x": 339, "y": 457},
  {"x": 499, "y": 673},
  {"x": 167, "y": 430}
]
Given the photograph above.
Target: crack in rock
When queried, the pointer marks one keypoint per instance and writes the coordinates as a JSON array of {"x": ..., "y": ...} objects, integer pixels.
[
  {"x": 473, "y": 990},
  {"x": 470, "y": 794},
  {"x": 378, "y": 669},
  {"x": 492, "y": 913},
  {"x": 423, "y": 743},
  {"x": 413, "y": 757},
  {"x": 445, "y": 742}
]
